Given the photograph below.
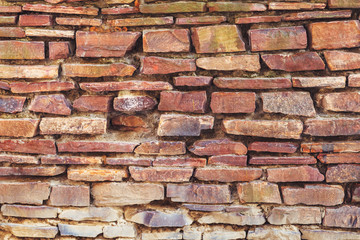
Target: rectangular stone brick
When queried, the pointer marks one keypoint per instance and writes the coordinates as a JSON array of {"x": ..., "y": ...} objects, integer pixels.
[
  {"x": 344, "y": 217},
  {"x": 294, "y": 174},
  {"x": 4, "y": 86},
  {"x": 67, "y": 195},
  {"x": 194, "y": 101},
  {"x": 45, "y": 86},
  {"x": 228, "y": 160},
  {"x": 321, "y": 234},
  {"x": 122, "y": 9},
  {"x": 257, "y": 19},
  {"x": 18, "y": 159},
  {"x": 332, "y": 127},
  {"x": 32, "y": 32},
  {"x": 12, "y": 32},
  {"x": 134, "y": 103},
  {"x": 233, "y": 102},
  {"x": 60, "y": 9},
  {"x": 296, "y": 6},
  {"x": 319, "y": 82},
  {"x": 31, "y": 231},
  {"x": 94, "y": 44},
  {"x": 90, "y": 103},
  {"x": 22, "y": 50},
  {"x": 202, "y": 20},
  {"x": 161, "y": 235},
  {"x": 343, "y": 173},
  {"x": 32, "y": 171},
  {"x": 11, "y": 104},
  {"x": 217, "y": 146},
  {"x": 173, "y": 7},
  {"x": 325, "y": 195},
  {"x": 97, "y": 70},
  {"x": 112, "y": 194},
  {"x": 192, "y": 81},
  {"x": 355, "y": 196},
  {"x": 273, "y": 160},
  {"x": 125, "y": 85},
  {"x": 287, "y": 129},
  {"x": 252, "y": 83},
  {"x": 309, "y": 15},
  {"x": 96, "y": 146},
  {"x": 8, "y": 20},
  {"x": 96, "y": 174},
  {"x": 279, "y": 147},
  {"x": 70, "y": 160},
  {"x": 29, "y": 211},
  {"x": 26, "y": 192},
  {"x": 126, "y": 161},
  {"x": 354, "y": 80},
  {"x": 166, "y": 40},
  {"x": 340, "y": 157},
  {"x": 161, "y": 174},
  {"x": 257, "y": 233},
  {"x": 101, "y": 214},
  {"x": 199, "y": 193},
  {"x": 339, "y": 102},
  {"x": 80, "y": 230},
  {"x": 295, "y": 215},
  {"x": 161, "y": 148},
  {"x": 344, "y": 4},
  {"x": 35, "y": 20},
  {"x": 59, "y": 50},
  {"x": 340, "y": 60},
  {"x": 249, "y": 63},
  {"x": 130, "y": 123},
  {"x": 283, "y": 38},
  {"x": 235, "y": 6},
  {"x": 160, "y": 65},
  {"x": 336, "y": 146},
  {"x": 258, "y": 192},
  {"x": 228, "y": 174},
  {"x": 38, "y": 146},
  {"x": 78, "y": 21},
  {"x": 149, "y": 21},
  {"x": 73, "y": 125},
  {"x": 29, "y": 71},
  {"x": 179, "y": 162},
  {"x": 20, "y": 127},
  {"x": 10, "y": 9},
  {"x": 54, "y": 104}
]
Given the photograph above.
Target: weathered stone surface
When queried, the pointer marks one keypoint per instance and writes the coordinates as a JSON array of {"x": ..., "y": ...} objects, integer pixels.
[
  {"x": 22, "y": 50},
  {"x": 294, "y": 174},
  {"x": 122, "y": 9},
  {"x": 55, "y": 104},
  {"x": 264, "y": 128},
  {"x": 257, "y": 19},
  {"x": 11, "y": 104},
  {"x": 29, "y": 71},
  {"x": 295, "y": 6},
  {"x": 179, "y": 162},
  {"x": 59, "y": 50},
  {"x": 96, "y": 174},
  {"x": 192, "y": 81},
  {"x": 166, "y": 40},
  {"x": 273, "y": 160},
  {"x": 32, "y": 231},
  {"x": 94, "y": 44},
  {"x": 73, "y": 125},
  {"x": 201, "y": 20},
  {"x": 332, "y": 127},
  {"x": 134, "y": 103},
  {"x": 156, "y": 218},
  {"x": 295, "y": 215},
  {"x": 355, "y": 193},
  {"x": 233, "y": 102},
  {"x": 80, "y": 230},
  {"x": 70, "y": 160},
  {"x": 78, "y": 21},
  {"x": 10, "y": 9},
  {"x": 147, "y": 21},
  {"x": 183, "y": 125},
  {"x": 222, "y": 146},
  {"x": 95, "y": 146},
  {"x": 343, "y": 173},
  {"x": 249, "y": 63},
  {"x": 129, "y": 123},
  {"x": 27, "y": 192},
  {"x": 18, "y": 159},
  {"x": 333, "y": 35},
  {"x": 126, "y": 230},
  {"x": 103, "y": 214},
  {"x": 354, "y": 80},
  {"x": 194, "y": 101},
  {"x": 199, "y": 193},
  {"x": 204, "y": 208},
  {"x": 252, "y": 83},
  {"x": 228, "y": 174},
  {"x": 319, "y": 82},
  {"x": 35, "y": 20},
  {"x": 97, "y": 70},
  {"x": 37, "y": 32},
  {"x": 235, "y": 6},
  {"x": 31, "y": 171},
  {"x": 222, "y": 235},
  {"x": 129, "y": 161},
  {"x": 38, "y": 146},
  {"x": 93, "y": 103},
  {"x": 29, "y": 211},
  {"x": 245, "y": 215},
  {"x": 259, "y": 192},
  {"x": 67, "y": 195},
  {"x": 308, "y": 15},
  {"x": 214, "y": 39},
  {"x": 340, "y": 101},
  {"x": 161, "y": 235},
  {"x": 228, "y": 160},
  {"x": 303, "y": 61},
  {"x": 19, "y": 127},
  {"x": 12, "y": 32},
  {"x": 160, "y": 65},
  {"x": 4, "y": 86},
  {"x": 126, "y": 85},
  {"x": 173, "y": 7},
  {"x": 336, "y": 146},
  {"x": 290, "y": 103},
  {"x": 343, "y": 4},
  {"x": 161, "y": 174},
  {"x": 321, "y": 234},
  {"x": 60, "y": 9},
  {"x": 344, "y": 217},
  {"x": 282, "y": 38},
  {"x": 161, "y": 148},
  {"x": 279, "y": 147},
  {"x": 46, "y": 86},
  {"x": 291, "y": 233},
  {"x": 340, "y": 60},
  {"x": 326, "y": 195},
  {"x": 120, "y": 194}
]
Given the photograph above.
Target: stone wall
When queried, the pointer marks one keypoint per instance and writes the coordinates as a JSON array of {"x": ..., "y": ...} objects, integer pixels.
[{"x": 192, "y": 120}]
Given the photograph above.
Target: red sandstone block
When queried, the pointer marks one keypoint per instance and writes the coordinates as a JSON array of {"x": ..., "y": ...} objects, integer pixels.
[
  {"x": 343, "y": 173},
  {"x": 78, "y": 21},
  {"x": 96, "y": 174},
  {"x": 179, "y": 162},
  {"x": 192, "y": 81},
  {"x": 272, "y": 160},
  {"x": 11, "y": 104},
  {"x": 66, "y": 195},
  {"x": 354, "y": 80},
  {"x": 19, "y": 159},
  {"x": 95, "y": 146},
  {"x": 335, "y": 146},
  {"x": 252, "y": 83},
  {"x": 39, "y": 32},
  {"x": 183, "y": 101},
  {"x": 332, "y": 127},
  {"x": 161, "y": 174},
  {"x": 200, "y": 20},
  {"x": 125, "y": 85},
  {"x": 119, "y": 10},
  {"x": 148, "y": 21},
  {"x": 257, "y": 19},
  {"x": 97, "y": 70},
  {"x": 166, "y": 40},
  {"x": 8, "y": 20},
  {"x": 32, "y": 171},
  {"x": 228, "y": 160},
  {"x": 249, "y": 63},
  {"x": 258, "y": 192},
  {"x": 59, "y": 50},
  {"x": 280, "y": 147},
  {"x": 316, "y": 15},
  {"x": 159, "y": 65},
  {"x": 228, "y": 174},
  {"x": 344, "y": 4},
  {"x": 25, "y": 192},
  {"x": 20, "y": 127},
  {"x": 222, "y": 146},
  {"x": 10, "y": 9},
  {"x": 342, "y": 217},
  {"x": 4, "y": 86},
  {"x": 173, "y": 7},
  {"x": 233, "y": 102},
  {"x": 340, "y": 157},
  {"x": 295, "y": 6},
  {"x": 283, "y": 38},
  {"x": 22, "y": 50},
  {"x": 161, "y": 148},
  {"x": 49, "y": 86},
  {"x": 35, "y": 20},
  {"x": 54, "y": 104},
  {"x": 134, "y": 103},
  {"x": 70, "y": 160},
  {"x": 294, "y": 174},
  {"x": 29, "y": 71},
  {"x": 341, "y": 60},
  {"x": 131, "y": 161},
  {"x": 60, "y": 9},
  {"x": 319, "y": 82},
  {"x": 339, "y": 102},
  {"x": 38, "y": 146},
  {"x": 92, "y": 103},
  {"x": 129, "y": 123},
  {"x": 12, "y": 32},
  {"x": 235, "y": 6}
]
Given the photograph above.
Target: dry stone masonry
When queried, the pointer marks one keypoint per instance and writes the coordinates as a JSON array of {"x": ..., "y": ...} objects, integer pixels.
[{"x": 180, "y": 119}]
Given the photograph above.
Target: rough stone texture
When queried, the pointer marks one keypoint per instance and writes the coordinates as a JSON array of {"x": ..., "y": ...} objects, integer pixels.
[
  {"x": 192, "y": 81},
  {"x": 130, "y": 103},
  {"x": 344, "y": 4},
  {"x": 233, "y": 102},
  {"x": 249, "y": 63},
  {"x": 294, "y": 174},
  {"x": 179, "y": 162},
  {"x": 32, "y": 231},
  {"x": 88, "y": 103},
  {"x": 59, "y": 50},
  {"x": 274, "y": 233},
  {"x": 223, "y": 234},
  {"x": 228, "y": 160},
  {"x": 67, "y": 195},
  {"x": 20, "y": 127},
  {"x": 336, "y": 146},
  {"x": 96, "y": 146},
  {"x": 272, "y": 160},
  {"x": 340, "y": 60},
  {"x": 259, "y": 191},
  {"x": 319, "y": 82},
  {"x": 279, "y": 147},
  {"x": 295, "y": 215},
  {"x": 159, "y": 65},
  {"x": 32, "y": 171},
  {"x": 28, "y": 192},
  {"x": 22, "y": 50},
  {"x": 236, "y": 6},
  {"x": 161, "y": 174},
  {"x": 217, "y": 147},
  {"x": 126, "y": 85},
  {"x": 345, "y": 216},
  {"x": 29, "y": 71},
  {"x": 96, "y": 174},
  {"x": 38, "y": 146},
  {"x": 80, "y": 230},
  {"x": 332, "y": 127},
  {"x": 227, "y": 174},
  {"x": 194, "y": 101},
  {"x": 55, "y": 104},
  {"x": 166, "y": 40},
  {"x": 148, "y": 21},
  {"x": 173, "y": 7},
  {"x": 11, "y": 104},
  {"x": 45, "y": 86},
  {"x": 319, "y": 234},
  {"x": 97, "y": 70},
  {"x": 252, "y": 83},
  {"x": 343, "y": 173},
  {"x": 127, "y": 230},
  {"x": 103, "y": 214},
  {"x": 29, "y": 211},
  {"x": 340, "y": 102},
  {"x": 161, "y": 148}
]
